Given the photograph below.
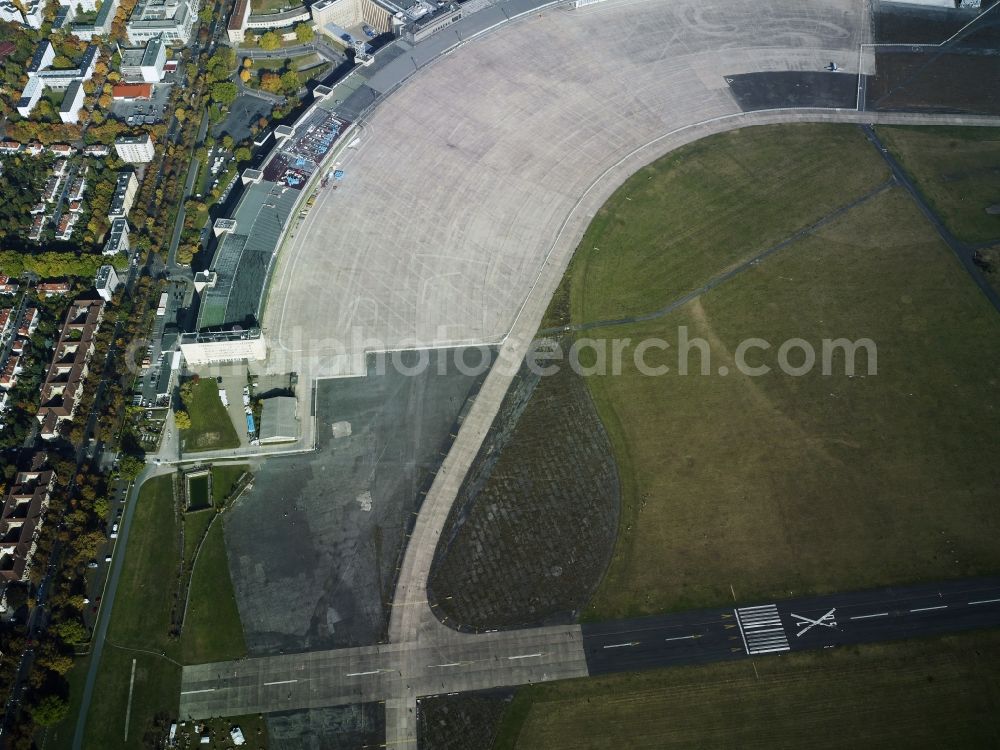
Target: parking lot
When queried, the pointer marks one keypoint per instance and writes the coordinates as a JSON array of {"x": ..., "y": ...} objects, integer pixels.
[{"x": 149, "y": 111}]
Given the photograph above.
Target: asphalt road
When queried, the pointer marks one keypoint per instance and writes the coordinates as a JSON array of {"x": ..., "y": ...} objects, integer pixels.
[{"x": 885, "y": 614}]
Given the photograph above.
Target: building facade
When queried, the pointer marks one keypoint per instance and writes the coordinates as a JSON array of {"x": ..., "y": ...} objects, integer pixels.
[{"x": 135, "y": 149}]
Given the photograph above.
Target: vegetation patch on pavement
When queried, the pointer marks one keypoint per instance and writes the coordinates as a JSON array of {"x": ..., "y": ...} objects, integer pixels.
[
  {"x": 467, "y": 721},
  {"x": 533, "y": 527},
  {"x": 912, "y": 694}
]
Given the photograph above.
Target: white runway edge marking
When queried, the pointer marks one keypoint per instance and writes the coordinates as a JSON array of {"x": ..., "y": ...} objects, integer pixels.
[
  {"x": 928, "y": 609},
  {"x": 865, "y": 617},
  {"x": 451, "y": 664},
  {"x": 622, "y": 645},
  {"x": 280, "y": 682},
  {"x": 361, "y": 674},
  {"x": 128, "y": 710},
  {"x": 986, "y": 601},
  {"x": 195, "y": 692},
  {"x": 525, "y": 656},
  {"x": 761, "y": 629}
]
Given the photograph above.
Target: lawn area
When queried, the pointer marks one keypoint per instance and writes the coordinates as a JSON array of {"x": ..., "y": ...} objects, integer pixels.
[
  {"x": 212, "y": 630},
  {"x": 917, "y": 694},
  {"x": 957, "y": 170},
  {"x": 141, "y": 620},
  {"x": 689, "y": 216},
  {"x": 780, "y": 485},
  {"x": 224, "y": 478},
  {"x": 60, "y": 736},
  {"x": 270, "y": 6},
  {"x": 211, "y": 427}
]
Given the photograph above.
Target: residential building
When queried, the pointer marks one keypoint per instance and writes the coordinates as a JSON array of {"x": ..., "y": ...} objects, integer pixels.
[
  {"x": 67, "y": 373},
  {"x": 135, "y": 149},
  {"x": 72, "y": 103},
  {"x": 76, "y": 189},
  {"x": 10, "y": 13},
  {"x": 33, "y": 13},
  {"x": 25, "y": 12},
  {"x": 236, "y": 29},
  {"x": 37, "y": 225},
  {"x": 117, "y": 237},
  {"x": 126, "y": 187},
  {"x": 107, "y": 282},
  {"x": 6, "y": 322},
  {"x": 29, "y": 322},
  {"x": 101, "y": 25},
  {"x": 61, "y": 149},
  {"x": 40, "y": 77},
  {"x": 144, "y": 63},
  {"x": 97, "y": 150},
  {"x": 9, "y": 147},
  {"x": 7, "y": 285},
  {"x": 53, "y": 289},
  {"x": 11, "y": 369},
  {"x": 22, "y": 517},
  {"x": 172, "y": 20}
]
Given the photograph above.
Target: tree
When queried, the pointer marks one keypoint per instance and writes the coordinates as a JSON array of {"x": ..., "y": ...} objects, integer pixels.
[
  {"x": 247, "y": 62},
  {"x": 270, "y": 82},
  {"x": 245, "y": 75},
  {"x": 227, "y": 142},
  {"x": 269, "y": 40},
  {"x": 183, "y": 420},
  {"x": 180, "y": 113},
  {"x": 242, "y": 154},
  {"x": 224, "y": 92},
  {"x": 129, "y": 467},
  {"x": 71, "y": 631},
  {"x": 50, "y": 710},
  {"x": 304, "y": 32},
  {"x": 290, "y": 82}
]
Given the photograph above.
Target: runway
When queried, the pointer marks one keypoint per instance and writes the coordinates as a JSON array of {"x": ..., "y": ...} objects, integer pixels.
[
  {"x": 760, "y": 629},
  {"x": 452, "y": 662}
]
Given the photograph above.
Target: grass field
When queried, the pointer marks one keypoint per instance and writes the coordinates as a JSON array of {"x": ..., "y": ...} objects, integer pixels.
[
  {"x": 212, "y": 629},
  {"x": 141, "y": 619},
  {"x": 270, "y": 6},
  {"x": 683, "y": 219},
  {"x": 918, "y": 694},
  {"x": 140, "y": 630},
  {"x": 211, "y": 427},
  {"x": 957, "y": 170},
  {"x": 782, "y": 485},
  {"x": 224, "y": 479}
]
